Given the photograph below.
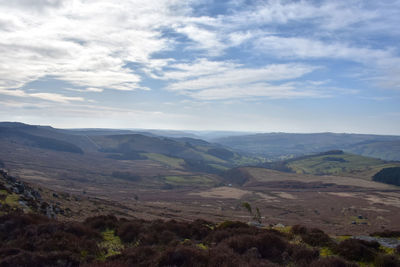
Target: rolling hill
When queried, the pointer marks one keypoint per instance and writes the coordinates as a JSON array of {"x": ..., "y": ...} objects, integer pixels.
[
  {"x": 286, "y": 145},
  {"x": 335, "y": 162},
  {"x": 101, "y": 156}
]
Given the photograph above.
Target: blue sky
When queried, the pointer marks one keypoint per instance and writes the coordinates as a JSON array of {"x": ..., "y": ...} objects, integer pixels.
[{"x": 265, "y": 66}]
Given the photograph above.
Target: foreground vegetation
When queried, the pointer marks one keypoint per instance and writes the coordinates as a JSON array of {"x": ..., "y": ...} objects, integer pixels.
[{"x": 35, "y": 240}]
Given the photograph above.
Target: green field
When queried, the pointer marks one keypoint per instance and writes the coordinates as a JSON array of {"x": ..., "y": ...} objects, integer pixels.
[
  {"x": 168, "y": 161},
  {"x": 335, "y": 164},
  {"x": 190, "y": 180}
]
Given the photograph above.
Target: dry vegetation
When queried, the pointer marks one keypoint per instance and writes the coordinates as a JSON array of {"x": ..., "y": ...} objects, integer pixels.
[{"x": 33, "y": 240}]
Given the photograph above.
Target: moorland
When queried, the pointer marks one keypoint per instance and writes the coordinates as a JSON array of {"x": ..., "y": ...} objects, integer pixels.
[{"x": 331, "y": 184}]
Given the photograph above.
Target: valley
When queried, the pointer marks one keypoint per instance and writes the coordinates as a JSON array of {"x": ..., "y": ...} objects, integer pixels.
[{"x": 186, "y": 179}]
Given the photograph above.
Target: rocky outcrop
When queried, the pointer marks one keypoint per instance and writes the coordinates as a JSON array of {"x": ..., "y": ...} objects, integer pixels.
[{"x": 28, "y": 198}]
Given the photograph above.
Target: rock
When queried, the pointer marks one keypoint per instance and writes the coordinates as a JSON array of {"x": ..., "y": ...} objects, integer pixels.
[
  {"x": 256, "y": 224},
  {"x": 389, "y": 242},
  {"x": 29, "y": 198}
]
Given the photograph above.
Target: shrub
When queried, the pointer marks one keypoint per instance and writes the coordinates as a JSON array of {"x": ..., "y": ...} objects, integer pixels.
[
  {"x": 137, "y": 256},
  {"x": 386, "y": 261},
  {"x": 199, "y": 229},
  {"x": 386, "y": 233},
  {"x": 232, "y": 224},
  {"x": 303, "y": 256},
  {"x": 357, "y": 250},
  {"x": 332, "y": 262},
  {"x": 106, "y": 264},
  {"x": 271, "y": 247},
  {"x": 313, "y": 237},
  {"x": 102, "y": 222},
  {"x": 126, "y": 176},
  {"x": 129, "y": 231},
  {"x": 183, "y": 256},
  {"x": 166, "y": 237},
  {"x": 298, "y": 230},
  {"x": 32, "y": 240},
  {"x": 224, "y": 257},
  {"x": 240, "y": 244},
  {"x": 316, "y": 237}
]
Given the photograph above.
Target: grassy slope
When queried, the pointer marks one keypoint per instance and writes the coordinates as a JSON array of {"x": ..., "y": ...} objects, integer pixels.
[
  {"x": 175, "y": 163},
  {"x": 334, "y": 164},
  {"x": 389, "y": 150},
  {"x": 192, "y": 180}
]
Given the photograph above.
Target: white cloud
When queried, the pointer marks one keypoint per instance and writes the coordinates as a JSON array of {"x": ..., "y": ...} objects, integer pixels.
[
  {"x": 226, "y": 81},
  {"x": 207, "y": 40},
  {"x": 87, "y": 43},
  {"x": 90, "y": 44},
  {"x": 54, "y": 97},
  {"x": 253, "y": 90},
  {"x": 303, "y": 48},
  {"x": 197, "y": 68}
]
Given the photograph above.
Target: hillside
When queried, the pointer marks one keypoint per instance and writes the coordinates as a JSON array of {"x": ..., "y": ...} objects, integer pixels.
[
  {"x": 152, "y": 177},
  {"x": 388, "y": 150},
  {"x": 389, "y": 175},
  {"x": 286, "y": 145},
  {"x": 335, "y": 162},
  {"x": 30, "y": 235},
  {"x": 183, "y": 153},
  {"x": 44, "y": 137},
  {"x": 196, "y": 154}
]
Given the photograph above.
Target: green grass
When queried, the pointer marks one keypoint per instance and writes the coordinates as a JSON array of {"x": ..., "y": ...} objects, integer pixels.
[
  {"x": 326, "y": 164},
  {"x": 12, "y": 200},
  {"x": 219, "y": 167},
  {"x": 210, "y": 158},
  {"x": 341, "y": 238},
  {"x": 111, "y": 243},
  {"x": 246, "y": 161},
  {"x": 386, "y": 250},
  {"x": 169, "y": 161},
  {"x": 188, "y": 180},
  {"x": 326, "y": 252}
]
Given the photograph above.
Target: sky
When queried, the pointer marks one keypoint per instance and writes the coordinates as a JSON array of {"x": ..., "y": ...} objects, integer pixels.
[{"x": 238, "y": 65}]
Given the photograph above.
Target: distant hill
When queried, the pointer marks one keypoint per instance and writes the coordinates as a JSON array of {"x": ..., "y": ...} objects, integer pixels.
[
  {"x": 198, "y": 155},
  {"x": 334, "y": 162},
  {"x": 188, "y": 153},
  {"x": 286, "y": 145},
  {"x": 39, "y": 137},
  {"x": 388, "y": 150}
]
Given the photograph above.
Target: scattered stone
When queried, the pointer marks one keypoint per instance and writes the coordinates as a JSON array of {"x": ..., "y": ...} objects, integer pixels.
[
  {"x": 256, "y": 224},
  {"x": 390, "y": 242},
  {"x": 29, "y": 198}
]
